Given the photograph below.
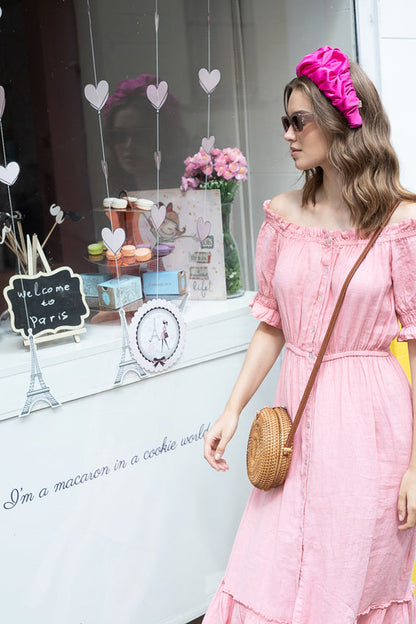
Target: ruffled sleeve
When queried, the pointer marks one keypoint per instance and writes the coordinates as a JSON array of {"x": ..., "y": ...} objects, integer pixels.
[
  {"x": 264, "y": 305},
  {"x": 404, "y": 285}
]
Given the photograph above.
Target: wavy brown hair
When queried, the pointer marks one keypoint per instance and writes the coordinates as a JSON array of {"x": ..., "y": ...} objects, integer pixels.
[{"x": 363, "y": 156}]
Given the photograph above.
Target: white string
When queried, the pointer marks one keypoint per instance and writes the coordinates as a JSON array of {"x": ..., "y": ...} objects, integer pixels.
[
  {"x": 100, "y": 125},
  {"x": 19, "y": 267},
  {"x": 157, "y": 43},
  {"x": 209, "y": 61},
  {"x": 209, "y": 95},
  {"x": 156, "y": 21},
  {"x": 103, "y": 154},
  {"x": 209, "y": 35},
  {"x": 92, "y": 42}
]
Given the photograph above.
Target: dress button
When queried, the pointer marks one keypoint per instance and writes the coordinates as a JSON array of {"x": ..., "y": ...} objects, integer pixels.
[
  {"x": 329, "y": 240},
  {"x": 306, "y": 462},
  {"x": 308, "y": 425},
  {"x": 319, "y": 298},
  {"x": 311, "y": 354},
  {"x": 313, "y": 330},
  {"x": 326, "y": 271}
]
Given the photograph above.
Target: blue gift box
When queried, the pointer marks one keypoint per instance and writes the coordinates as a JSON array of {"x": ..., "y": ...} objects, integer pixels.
[
  {"x": 90, "y": 282},
  {"x": 116, "y": 293},
  {"x": 170, "y": 283}
]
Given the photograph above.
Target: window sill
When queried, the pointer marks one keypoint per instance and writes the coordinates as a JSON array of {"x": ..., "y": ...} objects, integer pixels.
[{"x": 73, "y": 370}]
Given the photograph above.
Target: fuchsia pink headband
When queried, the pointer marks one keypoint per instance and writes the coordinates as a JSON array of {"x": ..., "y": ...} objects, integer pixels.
[{"x": 329, "y": 69}]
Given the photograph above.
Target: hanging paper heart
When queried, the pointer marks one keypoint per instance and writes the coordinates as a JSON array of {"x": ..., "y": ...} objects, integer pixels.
[
  {"x": 156, "y": 21},
  {"x": 158, "y": 215},
  {"x": 9, "y": 174},
  {"x": 158, "y": 159},
  {"x": 209, "y": 80},
  {"x": 203, "y": 229},
  {"x": 208, "y": 144},
  {"x": 157, "y": 95},
  {"x": 97, "y": 96},
  {"x": 113, "y": 240},
  {"x": 2, "y": 101},
  {"x": 104, "y": 167},
  {"x": 57, "y": 212}
]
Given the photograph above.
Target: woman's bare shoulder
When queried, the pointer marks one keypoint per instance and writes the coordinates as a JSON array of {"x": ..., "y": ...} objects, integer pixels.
[
  {"x": 287, "y": 204},
  {"x": 404, "y": 211}
]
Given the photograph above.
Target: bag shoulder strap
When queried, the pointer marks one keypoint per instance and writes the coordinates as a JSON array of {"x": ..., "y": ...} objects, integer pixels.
[{"x": 289, "y": 442}]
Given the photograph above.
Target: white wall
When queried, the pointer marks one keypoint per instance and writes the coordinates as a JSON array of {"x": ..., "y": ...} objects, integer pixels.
[
  {"x": 387, "y": 43},
  {"x": 275, "y": 39},
  {"x": 397, "y": 27}
]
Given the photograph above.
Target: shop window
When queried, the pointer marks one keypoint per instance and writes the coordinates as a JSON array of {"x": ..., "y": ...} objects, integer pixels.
[{"x": 53, "y": 133}]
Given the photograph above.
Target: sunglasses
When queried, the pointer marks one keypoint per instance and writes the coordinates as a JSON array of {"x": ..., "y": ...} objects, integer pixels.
[
  {"x": 297, "y": 121},
  {"x": 123, "y": 135}
]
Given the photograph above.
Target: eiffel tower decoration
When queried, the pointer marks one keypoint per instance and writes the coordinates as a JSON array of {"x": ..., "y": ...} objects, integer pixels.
[
  {"x": 127, "y": 362},
  {"x": 41, "y": 393}
]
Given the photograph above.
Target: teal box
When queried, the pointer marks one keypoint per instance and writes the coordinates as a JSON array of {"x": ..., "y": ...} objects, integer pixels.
[
  {"x": 116, "y": 293},
  {"x": 170, "y": 283},
  {"x": 90, "y": 282}
]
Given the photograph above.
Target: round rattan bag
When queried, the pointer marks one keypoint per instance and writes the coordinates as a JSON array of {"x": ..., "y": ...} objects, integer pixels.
[{"x": 268, "y": 459}]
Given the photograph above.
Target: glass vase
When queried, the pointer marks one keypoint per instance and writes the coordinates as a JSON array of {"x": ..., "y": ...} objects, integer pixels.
[{"x": 231, "y": 257}]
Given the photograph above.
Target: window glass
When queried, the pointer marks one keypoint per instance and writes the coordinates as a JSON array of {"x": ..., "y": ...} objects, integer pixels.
[{"x": 54, "y": 134}]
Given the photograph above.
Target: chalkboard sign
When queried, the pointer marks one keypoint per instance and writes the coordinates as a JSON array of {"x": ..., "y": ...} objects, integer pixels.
[{"x": 46, "y": 302}]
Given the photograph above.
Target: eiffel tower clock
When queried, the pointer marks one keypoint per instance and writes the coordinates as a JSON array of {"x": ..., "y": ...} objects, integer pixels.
[{"x": 157, "y": 335}]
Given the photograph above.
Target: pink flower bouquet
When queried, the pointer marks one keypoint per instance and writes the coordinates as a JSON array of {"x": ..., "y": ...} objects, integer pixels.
[{"x": 221, "y": 169}]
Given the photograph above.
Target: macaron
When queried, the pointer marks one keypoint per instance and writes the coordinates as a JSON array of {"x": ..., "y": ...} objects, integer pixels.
[
  {"x": 144, "y": 204},
  {"x": 128, "y": 260},
  {"x": 117, "y": 203},
  {"x": 128, "y": 251},
  {"x": 132, "y": 201},
  {"x": 127, "y": 254},
  {"x": 163, "y": 249},
  {"x": 111, "y": 257},
  {"x": 96, "y": 257},
  {"x": 143, "y": 254},
  {"x": 95, "y": 249}
]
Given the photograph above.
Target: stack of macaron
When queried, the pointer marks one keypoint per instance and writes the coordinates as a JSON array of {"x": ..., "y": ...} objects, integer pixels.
[
  {"x": 127, "y": 254},
  {"x": 96, "y": 252},
  {"x": 113, "y": 258},
  {"x": 116, "y": 203},
  {"x": 143, "y": 253},
  {"x": 127, "y": 203},
  {"x": 144, "y": 204},
  {"x": 163, "y": 249}
]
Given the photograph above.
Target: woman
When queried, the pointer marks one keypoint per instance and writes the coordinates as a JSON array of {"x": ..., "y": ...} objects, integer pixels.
[{"x": 335, "y": 544}]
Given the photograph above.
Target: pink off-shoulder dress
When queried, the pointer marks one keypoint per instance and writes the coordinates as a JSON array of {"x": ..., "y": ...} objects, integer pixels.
[{"x": 325, "y": 548}]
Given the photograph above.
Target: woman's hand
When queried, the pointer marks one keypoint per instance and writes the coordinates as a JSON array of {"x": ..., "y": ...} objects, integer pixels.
[
  {"x": 406, "y": 506},
  {"x": 217, "y": 438},
  {"x": 262, "y": 353}
]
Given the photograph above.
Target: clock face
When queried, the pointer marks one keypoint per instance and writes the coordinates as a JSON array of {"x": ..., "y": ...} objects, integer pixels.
[{"x": 157, "y": 334}]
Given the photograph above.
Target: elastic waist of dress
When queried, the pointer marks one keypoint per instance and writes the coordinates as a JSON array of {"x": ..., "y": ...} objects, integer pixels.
[{"x": 336, "y": 356}]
